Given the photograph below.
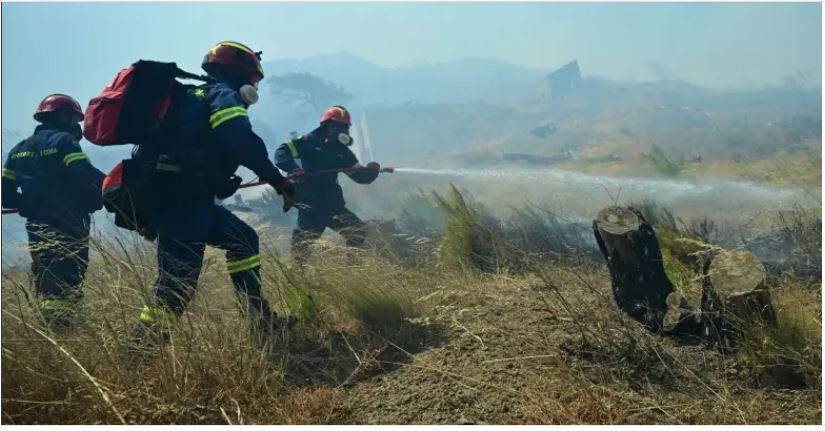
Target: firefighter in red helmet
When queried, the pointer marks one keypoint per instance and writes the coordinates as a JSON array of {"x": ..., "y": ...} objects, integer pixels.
[
  {"x": 320, "y": 200},
  {"x": 209, "y": 139},
  {"x": 51, "y": 182}
]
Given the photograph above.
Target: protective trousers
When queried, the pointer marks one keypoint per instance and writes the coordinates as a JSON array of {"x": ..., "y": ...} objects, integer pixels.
[
  {"x": 183, "y": 233},
  {"x": 60, "y": 257},
  {"x": 312, "y": 223}
]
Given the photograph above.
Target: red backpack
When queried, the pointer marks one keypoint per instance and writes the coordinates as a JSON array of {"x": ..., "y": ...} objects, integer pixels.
[
  {"x": 132, "y": 107},
  {"x": 131, "y": 110}
]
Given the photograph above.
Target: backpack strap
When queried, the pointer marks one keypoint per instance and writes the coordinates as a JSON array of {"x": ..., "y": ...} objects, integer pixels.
[{"x": 180, "y": 73}]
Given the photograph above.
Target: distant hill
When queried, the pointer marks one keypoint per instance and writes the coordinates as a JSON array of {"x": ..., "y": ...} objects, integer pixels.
[
  {"x": 425, "y": 114},
  {"x": 457, "y": 81},
  {"x": 452, "y": 112}
]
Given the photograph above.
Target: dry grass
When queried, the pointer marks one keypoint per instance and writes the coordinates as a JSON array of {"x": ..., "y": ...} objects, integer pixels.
[
  {"x": 381, "y": 342},
  {"x": 790, "y": 353},
  {"x": 615, "y": 373},
  {"x": 470, "y": 241},
  {"x": 212, "y": 371},
  {"x": 791, "y": 169}
]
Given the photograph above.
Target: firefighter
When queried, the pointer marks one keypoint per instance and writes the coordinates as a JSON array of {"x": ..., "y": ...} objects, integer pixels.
[
  {"x": 320, "y": 200},
  {"x": 209, "y": 139},
  {"x": 51, "y": 182}
]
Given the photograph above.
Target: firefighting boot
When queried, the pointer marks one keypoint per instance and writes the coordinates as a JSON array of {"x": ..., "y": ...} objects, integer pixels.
[
  {"x": 264, "y": 324},
  {"x": 268, "y": 328},
  {"x": 151, "y": 332},
  {"x": 60, "y": 314}
]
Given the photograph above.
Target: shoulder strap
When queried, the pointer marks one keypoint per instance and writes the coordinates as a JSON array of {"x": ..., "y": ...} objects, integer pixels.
[{"x": 180, "y": 73}]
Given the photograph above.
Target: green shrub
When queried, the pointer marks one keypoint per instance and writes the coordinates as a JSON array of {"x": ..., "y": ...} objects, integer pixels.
[
  {"x": 664, "y": 164},
  {"x": 468, "y": 243}
]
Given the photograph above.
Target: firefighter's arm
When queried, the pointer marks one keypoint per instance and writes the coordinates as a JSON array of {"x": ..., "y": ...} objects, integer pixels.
[
  {"x": 236, "y": 138},
  {"x": 361, "y": 174},
  {"x": 233, "y": 133},
  {"x": 365, "y": 174},
  {"x": 82, "y": 173},
  {"x": 11, "y": 197},
  {"x": 286, "y": 155}
]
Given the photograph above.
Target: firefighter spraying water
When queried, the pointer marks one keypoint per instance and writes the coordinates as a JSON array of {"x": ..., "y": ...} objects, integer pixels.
[{"x": 322, "y": 154}]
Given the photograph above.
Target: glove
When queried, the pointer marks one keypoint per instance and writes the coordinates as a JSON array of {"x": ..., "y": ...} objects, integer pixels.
[
  {"x": 367, "y": 174},
  {"x": 287, "y": 191},
  {"x": 371, "y": 172},
  {"x": 297, "y": 175},
  {"x": 284, "y": 187}
]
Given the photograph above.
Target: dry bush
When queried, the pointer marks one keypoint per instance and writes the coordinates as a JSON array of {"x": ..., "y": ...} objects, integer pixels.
[
  {"x": 788, "y": 354},
  {"x": 475, "y": 240},
  {"x": 611, "y": 371},
  {"x": 472, "y": 240},
  {"x": 542, "y": 233},
  {"x": 211, "y": 370},
  {"x": 804, "y": 227},
  {"x": 665, "y": 164}
]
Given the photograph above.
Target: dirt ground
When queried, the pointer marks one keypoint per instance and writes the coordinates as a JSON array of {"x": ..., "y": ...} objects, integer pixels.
[{"x": 509, "y": 353}]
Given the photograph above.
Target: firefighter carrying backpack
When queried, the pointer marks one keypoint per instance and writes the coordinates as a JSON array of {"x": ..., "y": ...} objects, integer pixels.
[{"x": 132, "y": 110}]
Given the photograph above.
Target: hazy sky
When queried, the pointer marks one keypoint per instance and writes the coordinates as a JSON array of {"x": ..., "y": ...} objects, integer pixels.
[{"x": 77, "y": 48}]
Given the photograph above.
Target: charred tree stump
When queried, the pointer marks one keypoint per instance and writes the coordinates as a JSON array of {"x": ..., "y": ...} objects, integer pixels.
[
  {"x": 734, "y": 294},
  {"x": 628, "y": 243},
  {"x": 734, "y": 290},
  {"x": 684, "y": 319}
]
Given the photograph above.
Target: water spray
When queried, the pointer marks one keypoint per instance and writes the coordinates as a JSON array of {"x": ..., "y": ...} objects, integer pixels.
[{"x": 656, "y": 186}]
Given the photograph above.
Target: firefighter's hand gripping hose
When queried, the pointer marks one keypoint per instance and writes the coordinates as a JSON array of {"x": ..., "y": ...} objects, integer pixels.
[
  {"x": 287, "y": 191},
  {"x": 282, "y": 185}
]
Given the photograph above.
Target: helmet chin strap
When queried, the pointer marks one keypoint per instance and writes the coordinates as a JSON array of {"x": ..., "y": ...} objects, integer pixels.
[{"x": 249, "y": 94}]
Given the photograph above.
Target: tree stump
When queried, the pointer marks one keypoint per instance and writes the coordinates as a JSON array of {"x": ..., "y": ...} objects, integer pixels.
[
  {"x": 628, "y": 243},
  {"x": 734, "y": 293},
  {"x": 683, "y": 318}
]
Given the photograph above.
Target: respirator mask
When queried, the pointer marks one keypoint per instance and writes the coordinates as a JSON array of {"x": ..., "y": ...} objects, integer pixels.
[
  {"x": 345, "y": 139},
  {"x": 249, "y": 93}
]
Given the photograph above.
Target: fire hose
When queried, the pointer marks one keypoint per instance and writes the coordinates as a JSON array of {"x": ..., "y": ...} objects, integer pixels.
[{"x": 387, "y": 170}]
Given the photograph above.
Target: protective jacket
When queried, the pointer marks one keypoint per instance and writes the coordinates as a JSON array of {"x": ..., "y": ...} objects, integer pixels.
[
  {"x": 50, "y": 180},
  {"x": 319, "y": 191},
  {"x": 208, "y": 137}
]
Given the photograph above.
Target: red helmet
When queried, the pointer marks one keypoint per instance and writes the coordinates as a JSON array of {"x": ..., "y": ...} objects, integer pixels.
[
  {"x": 236, "y": 56},
  {"x": 339, "y": 114},
  {"x": 57, "y": 102}
]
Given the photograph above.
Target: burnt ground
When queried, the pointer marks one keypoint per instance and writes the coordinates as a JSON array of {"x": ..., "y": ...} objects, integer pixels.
[{"x": 518, "y": 351}]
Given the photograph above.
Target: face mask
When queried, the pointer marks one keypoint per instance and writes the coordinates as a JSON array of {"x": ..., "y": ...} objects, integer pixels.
[
  {"x": 249, "y": 94},
  {"x": 345, "y": 139}
]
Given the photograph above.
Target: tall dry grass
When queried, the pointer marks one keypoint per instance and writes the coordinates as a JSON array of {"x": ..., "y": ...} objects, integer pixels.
[
  {"x": 211, "y": 370},
  {"x": 368, "y": 312}
]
